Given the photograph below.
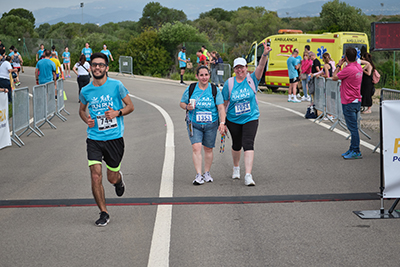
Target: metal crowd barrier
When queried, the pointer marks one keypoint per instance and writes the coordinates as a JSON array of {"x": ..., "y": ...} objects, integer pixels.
[
  {"x": 60, "y": 100},
  {"x": 20, "y": 114},
  {"x": 51, "y": 103},
  {"x": 125, "y": 65},
  {"x": 319, "y": 97},
  {"x": 327, "y": 100}
]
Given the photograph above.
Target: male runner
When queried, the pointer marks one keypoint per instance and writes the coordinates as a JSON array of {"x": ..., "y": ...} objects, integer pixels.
[{"x": 104, "y": 98}]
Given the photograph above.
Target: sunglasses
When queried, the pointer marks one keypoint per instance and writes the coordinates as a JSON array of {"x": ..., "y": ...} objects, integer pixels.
[{"x": 101, "y": 65}]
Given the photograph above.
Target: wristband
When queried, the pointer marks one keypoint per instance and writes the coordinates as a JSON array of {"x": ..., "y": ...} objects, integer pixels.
[
  {"x": 222, "y": 122},
  {"x": 264, "y": 55},
  {"x": 338, "y": 66},
  {"x": 119, "y": 113}
]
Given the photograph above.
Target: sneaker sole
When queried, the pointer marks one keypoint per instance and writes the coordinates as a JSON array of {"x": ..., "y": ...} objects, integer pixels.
[
  {"x": 360, "y": 157},
  {"x": 122, "y": 180},
  {"x": 197, "y": 183},
  {"x": 251, "y": 184},
  {"x": 104, "y": 224}
]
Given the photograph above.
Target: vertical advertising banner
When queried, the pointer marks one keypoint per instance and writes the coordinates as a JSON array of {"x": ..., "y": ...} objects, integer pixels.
[
  {"x": 5, "y": 139},
  {"x": 391, "y": 147}
]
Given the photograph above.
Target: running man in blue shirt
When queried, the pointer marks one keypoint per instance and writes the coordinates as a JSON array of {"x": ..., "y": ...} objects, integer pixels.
[
  {"x": 293, "y": 65},
  {"x": 87, "y": 51},
  {"x": 105, "y": 99},
  {"x": 40, "y": 52}
]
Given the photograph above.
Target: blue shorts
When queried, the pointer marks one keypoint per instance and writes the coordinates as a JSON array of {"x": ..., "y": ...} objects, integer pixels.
[{"x": 204, "y": 133}]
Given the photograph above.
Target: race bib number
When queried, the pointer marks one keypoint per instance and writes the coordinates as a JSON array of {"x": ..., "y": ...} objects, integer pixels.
[
  {"x": 203, "y": 117},
  {"x": 241, "y": 108},
  {"x": 104, "y": 124}
]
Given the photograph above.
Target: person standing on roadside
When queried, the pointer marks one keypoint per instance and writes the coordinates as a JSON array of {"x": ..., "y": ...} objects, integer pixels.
[
  {"x": 40, "y": 52},
  {"x": 82, "y": 71},
  {"x": 182, "y": 62},
  {"x": 5, "y": 70},
  {"x": 242, "y": 112},
  {"x": 67, "y": 62},
  {"x": 105, "y": 99},
  {"x": 45, "y": 70},
  {"x": 350, "y": 94},
  {"x": 293, "y": 65},
  {"x": 87, "y": 51}
]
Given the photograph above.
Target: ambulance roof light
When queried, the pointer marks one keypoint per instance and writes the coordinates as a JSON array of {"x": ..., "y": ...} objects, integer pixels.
[{"x": 289, "y": 31}]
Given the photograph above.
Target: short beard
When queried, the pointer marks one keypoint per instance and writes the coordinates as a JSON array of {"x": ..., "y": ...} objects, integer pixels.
[{"x": 99, "y": 77}]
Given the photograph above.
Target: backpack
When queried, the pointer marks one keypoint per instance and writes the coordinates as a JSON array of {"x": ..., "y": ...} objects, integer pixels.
[
  {"x": 311, "y": 113},
  {"x": 375, "y": 77},
  {"x": 192, "y": 86},
  {"x": 231, "y": 82}
]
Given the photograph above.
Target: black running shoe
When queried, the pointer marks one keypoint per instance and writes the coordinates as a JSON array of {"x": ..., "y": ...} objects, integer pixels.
[
  {"x": 120, "y": 187},
  {"x": 104, "y": 219}
]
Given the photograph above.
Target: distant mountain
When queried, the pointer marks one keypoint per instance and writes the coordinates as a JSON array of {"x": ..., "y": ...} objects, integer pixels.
[{"x": 101, "y": 12}]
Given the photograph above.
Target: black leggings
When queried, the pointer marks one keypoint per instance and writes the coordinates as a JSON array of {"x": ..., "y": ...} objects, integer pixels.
[
  {"x": 243, "y": 135},
  {"x": 83, "y": 80}
]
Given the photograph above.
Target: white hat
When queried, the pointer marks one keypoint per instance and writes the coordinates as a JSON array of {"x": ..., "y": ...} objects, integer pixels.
[{"x": 239, "y": 61}]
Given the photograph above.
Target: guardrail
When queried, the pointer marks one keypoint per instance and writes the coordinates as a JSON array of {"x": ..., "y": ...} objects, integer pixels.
[{"x": 125, "y": 65}]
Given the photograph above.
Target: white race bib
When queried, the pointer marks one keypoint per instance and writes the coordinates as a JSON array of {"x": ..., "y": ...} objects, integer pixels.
[
  {"x": 241, "y": 108},
  {"x": 104, "y": 124},
  {"x": 203, "y": 117}
]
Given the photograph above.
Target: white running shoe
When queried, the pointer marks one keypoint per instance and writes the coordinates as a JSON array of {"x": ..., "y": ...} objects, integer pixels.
[
  {"x": 303, "y": 98},
  {"x": 199, "y": 180},
  {"x": 295, "y": 100},
  {"x": 248, "y": 180},
  {"x": 298, "y": 96},
  {"x": 207, "y": 177},
  {"x": 308, "y": 98},
  {"x": 236, "y": 173}
]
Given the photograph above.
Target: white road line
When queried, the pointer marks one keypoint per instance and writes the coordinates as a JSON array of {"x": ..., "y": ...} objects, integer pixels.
[
  {"x": 344, "y": 134},
  {"x": 159, "y": 250}
]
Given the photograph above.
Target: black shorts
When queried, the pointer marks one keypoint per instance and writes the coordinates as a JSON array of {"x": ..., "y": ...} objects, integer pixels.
[
  {"x": 183, "y": 68},
  {"x": 110, "y": 151},
  {"x": 294, "y": 80}
]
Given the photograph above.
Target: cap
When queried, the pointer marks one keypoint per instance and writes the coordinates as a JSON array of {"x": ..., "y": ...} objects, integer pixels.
[
  {"x": 239, "y": 61},
  {"x": 183, "y": 48}
]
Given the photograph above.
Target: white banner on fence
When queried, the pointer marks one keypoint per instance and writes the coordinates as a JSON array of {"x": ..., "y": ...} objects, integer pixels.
[
  {"x": 391, "y": 147},
  {"x": 5, "y": 139}
]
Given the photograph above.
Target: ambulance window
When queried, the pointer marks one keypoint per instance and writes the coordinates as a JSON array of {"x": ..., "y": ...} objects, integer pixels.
[
  {"x": 361, "y": 49},
  {"x": 250, "y": 57},
  {"x": 260, "y": 50}
]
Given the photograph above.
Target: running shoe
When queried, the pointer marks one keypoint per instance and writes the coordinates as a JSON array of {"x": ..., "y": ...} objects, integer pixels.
[
  {"x": 236, "y": 173},
  {"x": 295, "y": 100},
  {"x": 353, "y": 155},
  {"x": 298, "y": 96},
  {"x": 199, "y": 180},
  {"x": 207, "y": 177},
  {"x": 182, "y": 83},
  {"x": 346, "y": 153},
  {"x": 104, "y": 219},
  {"x": 248, "y": 180},
  {"x": 120, "y": 187}
]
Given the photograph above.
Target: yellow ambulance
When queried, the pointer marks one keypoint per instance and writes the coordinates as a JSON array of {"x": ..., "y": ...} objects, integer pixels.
[{"x": 283, "y": 44}]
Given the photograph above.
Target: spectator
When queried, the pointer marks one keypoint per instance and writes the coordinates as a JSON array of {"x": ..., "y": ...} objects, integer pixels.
[
  {"x": 220, "y": 67},
  {"x": 328, "y": 69},
  {"x": 351, "y": 77},
  {"x": 87, "y": 51},
  {"x": 307, "y": 50},
  {"x": 53, "y": 51},
  {"x": 205, "y": 52},
  {"x": 40, "y": 53},
  {"x": 67, "y": 62},
  {"x": 306, "y": 64},
  {"x": 107, "y": 52},
  {"x": 45, "y": 70},
  {"x": 367, "y": 87},
  {"x": 82, "y": 70},
  {"x": 293, "y": 65},
  {"x": 17, "y": 61},
  {"x": 298, "y": 72},
  {"x": 2, "y": 48},
  {"x": 202, "y": 58},
  {"x": 213, "y": 64},
  {"x": 5, "y": 71},
  {"x": 182, "y": 62},
  {"x": 57, "y": 63}
]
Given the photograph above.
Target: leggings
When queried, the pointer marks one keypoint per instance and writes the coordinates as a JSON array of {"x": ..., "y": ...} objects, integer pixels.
[
  {"x": 83, "y": 80},
  {"x": 243, "y": 135}
]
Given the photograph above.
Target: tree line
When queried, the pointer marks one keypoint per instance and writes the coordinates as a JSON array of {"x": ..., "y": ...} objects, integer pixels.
[{"x": 154, "y": 40}]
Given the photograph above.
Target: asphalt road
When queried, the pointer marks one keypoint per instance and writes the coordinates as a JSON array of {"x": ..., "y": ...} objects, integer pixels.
[{"x": 300, "y": 213}]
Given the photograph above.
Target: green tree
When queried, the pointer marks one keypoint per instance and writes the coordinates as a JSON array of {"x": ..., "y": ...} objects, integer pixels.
[
  {"x": 339, "y": 16},
  {"x": 155, "y": 15},
  {"x": 42, "y": 30},
  {"x": 21, "y": 13},
  {"x": 218, "y": 14},
  {"x": 14, "y": 26},
  {"x": 149, "y": 56}
]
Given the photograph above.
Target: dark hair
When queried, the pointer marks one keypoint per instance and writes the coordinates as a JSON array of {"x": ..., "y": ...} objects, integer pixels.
[
  {"x": 351, "y": 54},
  {"x": 47, "y": 53},
  {"x": 99, "y": 55},
  {"x": 12, "y": 47},
  {"x": 307, "y": 47},
  {"x": 15, "y": 50},
  {"x": 202, "y": 67},
  {"x": 82, "y": 59},
  {"x": 204, "y": 46},
  {"x": 53, "y": 47},
  {"x": 8, "y": 58},
  {"x": 295, "y": 51},
  {"x": 183, "y": 48},
  {"x": 368, "y": 57}
]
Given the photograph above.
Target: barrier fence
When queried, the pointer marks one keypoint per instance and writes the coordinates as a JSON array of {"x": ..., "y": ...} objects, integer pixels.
[
  {"x": 327, "y": 101},
  {"x": 60, "y": 100},
  {"x": 125, "y": 65}
]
